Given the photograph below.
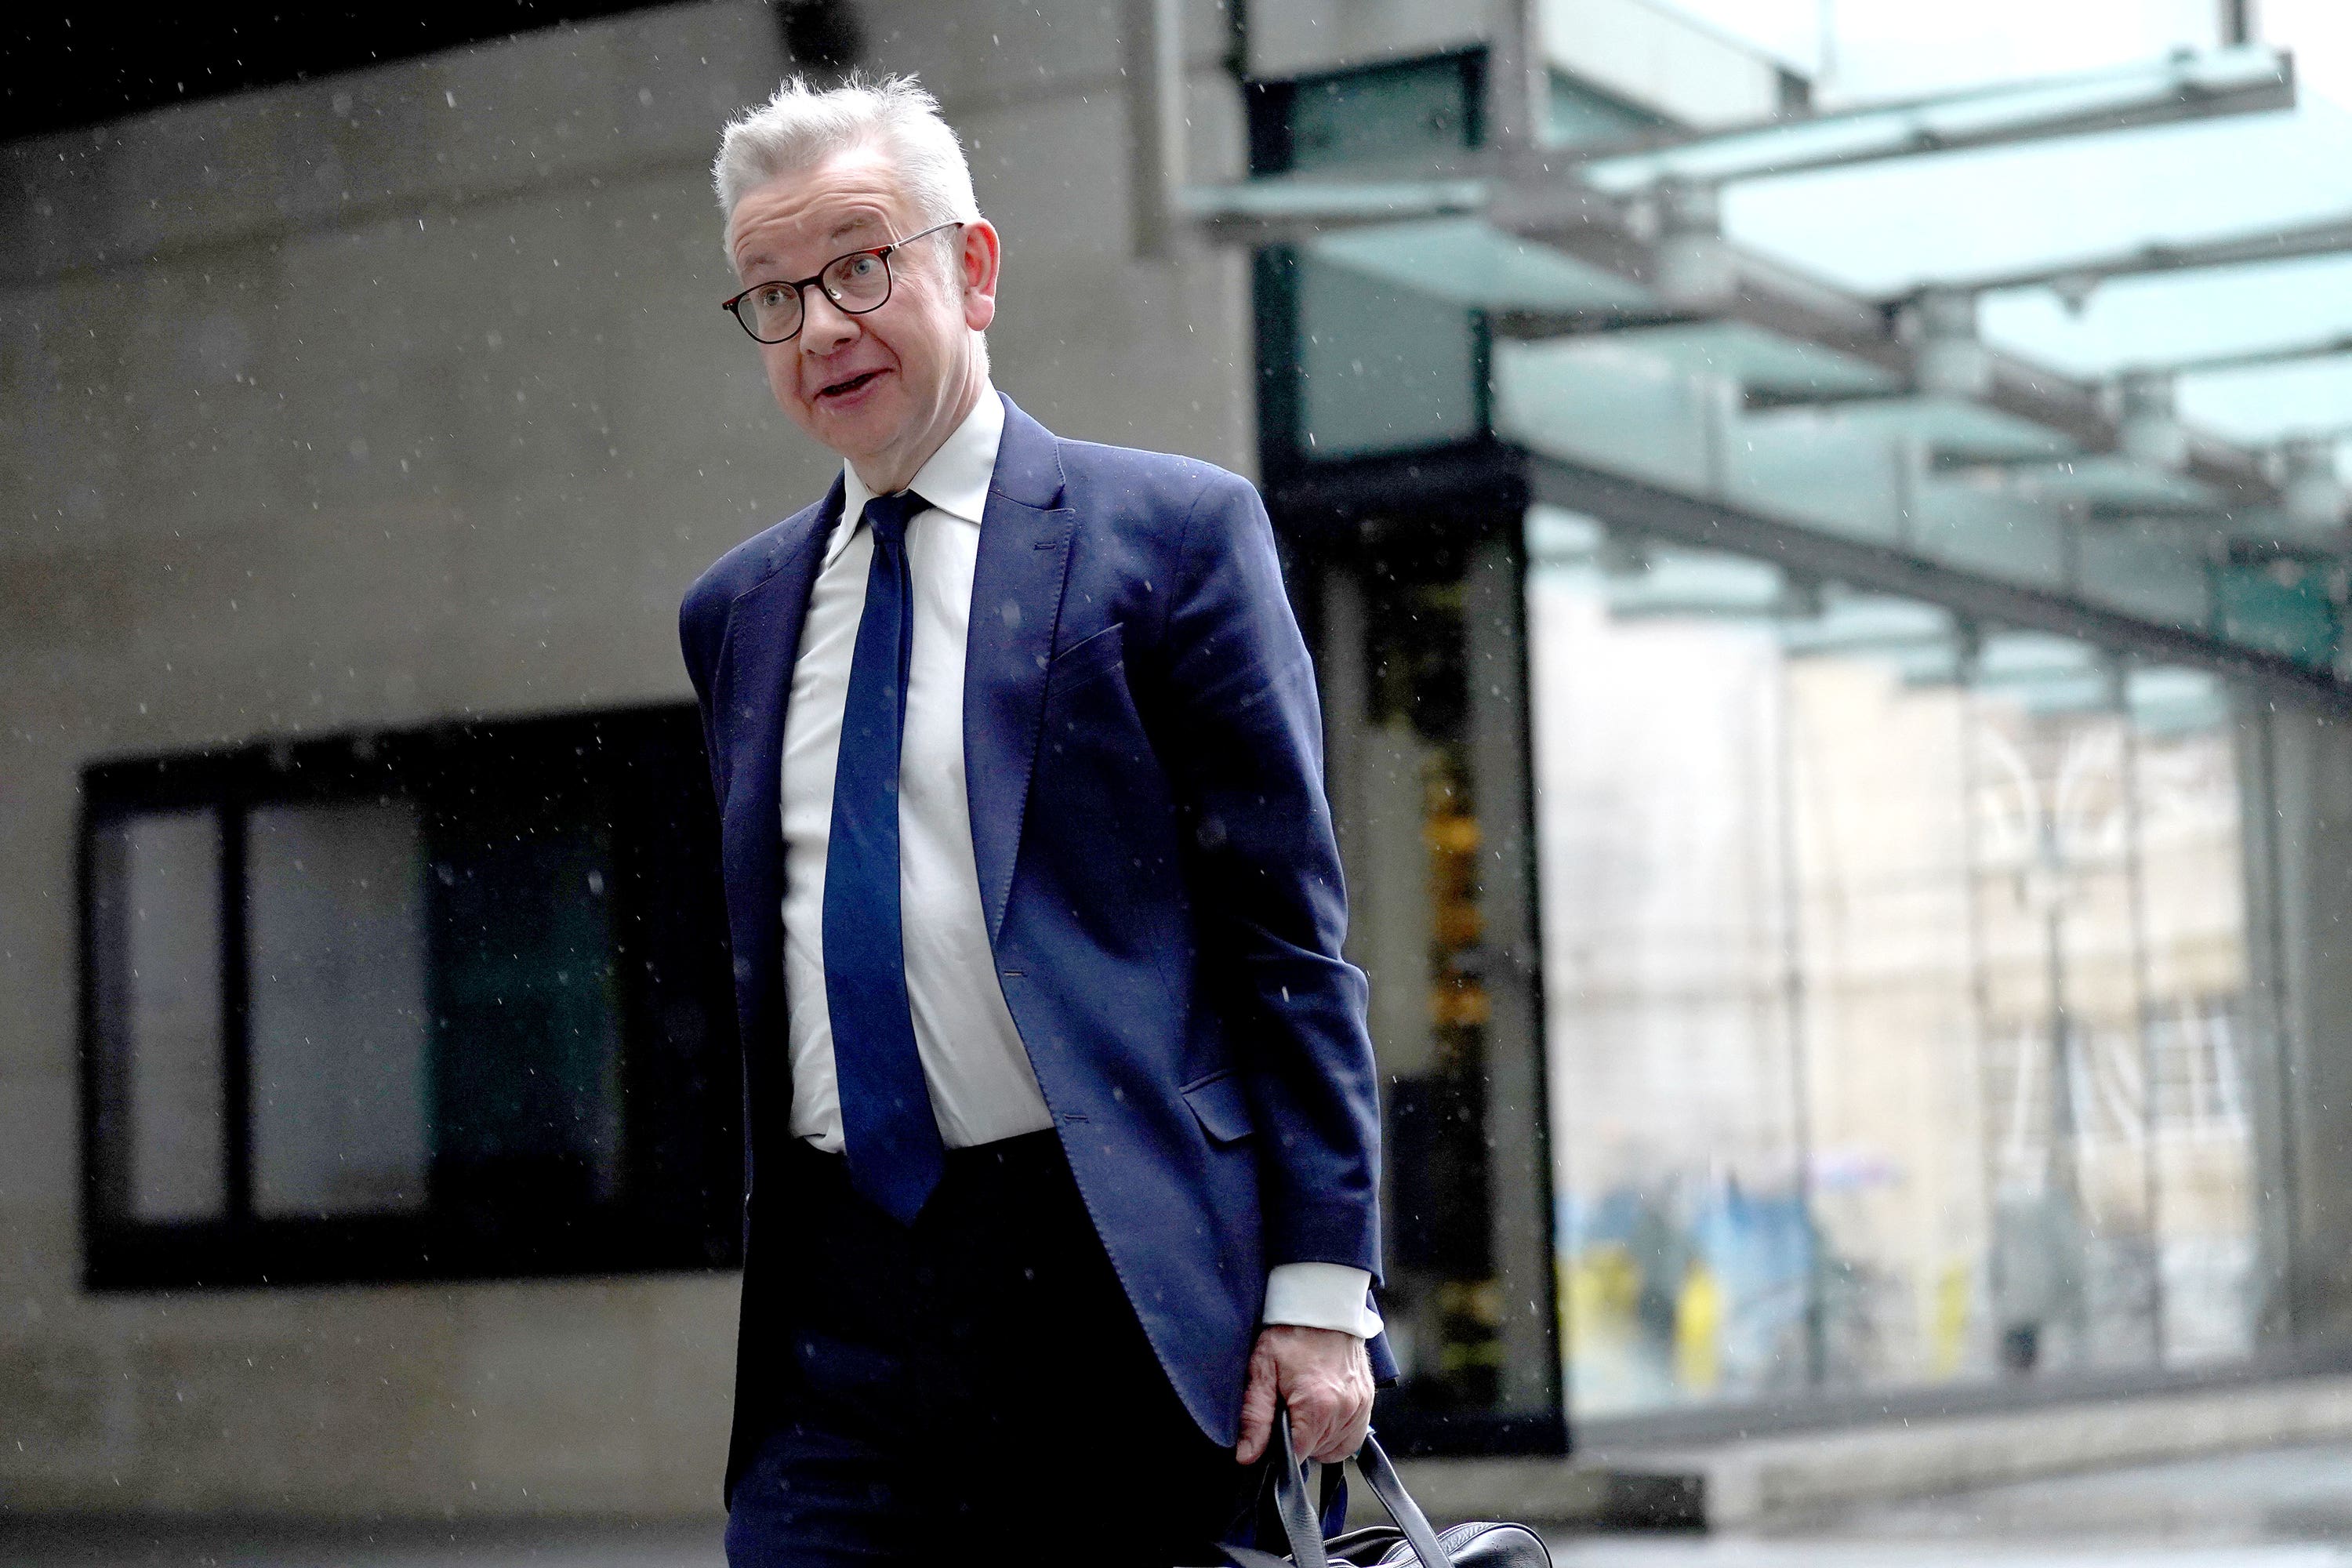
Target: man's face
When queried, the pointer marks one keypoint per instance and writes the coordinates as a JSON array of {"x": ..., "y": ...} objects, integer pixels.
[{"x": 886, "y": 387}]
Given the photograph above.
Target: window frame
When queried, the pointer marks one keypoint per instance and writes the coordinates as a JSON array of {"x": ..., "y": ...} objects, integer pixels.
[
  {"x": 1281, "y": 372},
  {"x": 679, "y": 1206},
  {"x": 1271, "y": 103}
]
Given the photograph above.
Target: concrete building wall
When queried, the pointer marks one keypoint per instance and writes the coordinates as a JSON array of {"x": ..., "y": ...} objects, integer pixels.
[
  {"x": 1304, "y": 36},
  {"x": 1661, "y": 60},
  {"x": 399, "y": 397}
]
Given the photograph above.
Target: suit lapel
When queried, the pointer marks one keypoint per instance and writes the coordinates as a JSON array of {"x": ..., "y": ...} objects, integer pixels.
[
  {"x": 1016, "y": 602},
  {"x": 764, "y": 636}
]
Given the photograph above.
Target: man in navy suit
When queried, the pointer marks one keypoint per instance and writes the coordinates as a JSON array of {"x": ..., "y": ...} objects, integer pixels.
[{"x": 1060, "y": 1109}]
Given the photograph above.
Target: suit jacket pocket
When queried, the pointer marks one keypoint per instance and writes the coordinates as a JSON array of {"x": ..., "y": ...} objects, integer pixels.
[
  {"x": 1087, "y": 661},
  {"x": 1223, "y": 1109}
]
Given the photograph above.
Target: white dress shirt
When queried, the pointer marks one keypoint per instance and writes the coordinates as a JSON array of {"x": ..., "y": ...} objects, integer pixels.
[{"x": 982, "y": 1086}]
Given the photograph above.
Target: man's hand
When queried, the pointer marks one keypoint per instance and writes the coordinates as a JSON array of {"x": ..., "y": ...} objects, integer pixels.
[{"x": 1325, "y": 1378}]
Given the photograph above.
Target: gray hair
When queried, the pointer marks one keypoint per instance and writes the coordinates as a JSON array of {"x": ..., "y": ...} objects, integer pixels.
[{"x": 803, "y": 126}]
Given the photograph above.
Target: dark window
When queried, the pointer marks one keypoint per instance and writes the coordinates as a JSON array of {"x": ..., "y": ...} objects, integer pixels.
[
  {"x": 444, "y": 1004},
  {"x": 1409, "y": 114},
  {"x": 1364, "y": 348}
]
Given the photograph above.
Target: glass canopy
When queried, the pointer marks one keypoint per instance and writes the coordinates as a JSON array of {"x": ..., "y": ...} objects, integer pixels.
[
  {"x": 1882, "y": 229},
  {"x": 2089, "y": 337}
]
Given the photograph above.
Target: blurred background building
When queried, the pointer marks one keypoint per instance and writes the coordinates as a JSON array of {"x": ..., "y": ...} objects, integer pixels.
[{"x": 1822, "y": 524}]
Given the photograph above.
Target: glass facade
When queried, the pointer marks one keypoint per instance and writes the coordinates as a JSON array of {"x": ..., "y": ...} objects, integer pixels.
[
  {"x": 1794, "y": 665},
  {"x": 1895, "y": 977}
]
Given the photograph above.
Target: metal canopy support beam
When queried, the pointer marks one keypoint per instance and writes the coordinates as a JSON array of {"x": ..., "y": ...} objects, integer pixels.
[
  {"x": 1806, "y": 553},
  {"x": 1764, "y": 296},
  {"x": 2083, "y": 275},
  {"x": 1286, "y": 209},
  {"x": 1895, "y": 337},
  {"x": 2240, "y": 80},
  {"x": 2253, "y": 359},
  {"x": 2241, "y": 476},
  {"x": 2315, "y": 494},
  {"x": 2318, "y": 348}
]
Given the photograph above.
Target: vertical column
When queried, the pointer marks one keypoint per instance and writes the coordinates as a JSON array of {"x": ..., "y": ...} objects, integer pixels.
[
  {"x": 2142, "y": 1013},
  {"x": 1515, "y": 80},
  {"x": 1374, "y": 774},
  {"x": 2298, "y": 814},
  {"x": 1796, "y": 1011},
  {"x": 1339, "y": 664},
  {"x": 1494, "y": 659},
  {"x": 1374, "y": 781},
  {"x": 2266, "y": 1087},
  {"x": 1156, "y": 122}
]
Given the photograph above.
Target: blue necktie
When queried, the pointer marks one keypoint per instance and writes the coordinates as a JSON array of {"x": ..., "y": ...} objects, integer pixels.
[{"x": 895, "y": 1154}]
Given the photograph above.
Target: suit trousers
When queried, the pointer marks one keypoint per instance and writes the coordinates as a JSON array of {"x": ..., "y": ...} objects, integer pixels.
[{"x": 973, "y": 1387}]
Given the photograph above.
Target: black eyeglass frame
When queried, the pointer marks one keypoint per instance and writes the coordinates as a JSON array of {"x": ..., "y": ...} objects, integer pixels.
[{"x": 889, "y": 283}]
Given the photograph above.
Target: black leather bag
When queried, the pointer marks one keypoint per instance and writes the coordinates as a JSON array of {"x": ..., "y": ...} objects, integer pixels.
[{"x": 1408, "y": 1541}]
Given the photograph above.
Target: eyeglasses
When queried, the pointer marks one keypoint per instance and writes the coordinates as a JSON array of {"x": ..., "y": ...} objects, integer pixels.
[{"x": 855, "y": 284}]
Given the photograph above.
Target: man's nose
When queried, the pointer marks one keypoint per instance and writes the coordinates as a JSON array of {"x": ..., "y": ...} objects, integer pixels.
[{"x": 824, "y": 326}]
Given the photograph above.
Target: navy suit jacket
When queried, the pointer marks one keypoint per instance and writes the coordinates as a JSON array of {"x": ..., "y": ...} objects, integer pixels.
[{"x": 1143, "y": 757}]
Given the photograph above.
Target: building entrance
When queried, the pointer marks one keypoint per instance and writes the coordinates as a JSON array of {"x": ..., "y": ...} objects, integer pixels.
[{"x": 1420, "y": 648}]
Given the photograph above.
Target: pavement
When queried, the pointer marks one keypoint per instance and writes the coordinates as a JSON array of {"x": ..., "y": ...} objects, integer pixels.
[
  {"x": 2281, "y": 1508},
  {"x": 175, "y": 1542}
]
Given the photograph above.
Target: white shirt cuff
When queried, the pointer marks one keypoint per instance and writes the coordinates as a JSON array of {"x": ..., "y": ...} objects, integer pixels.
[{"x": 1321, "y": 1296}]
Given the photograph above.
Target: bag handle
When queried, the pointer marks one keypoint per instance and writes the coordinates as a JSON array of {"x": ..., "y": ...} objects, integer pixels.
[
  {"x": 1304, "y": 1529},
  {"x": 1373, "y": 1464}
]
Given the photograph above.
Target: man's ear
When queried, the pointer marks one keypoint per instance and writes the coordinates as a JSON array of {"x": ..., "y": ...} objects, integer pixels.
[{"x": 982, "y": 252}]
